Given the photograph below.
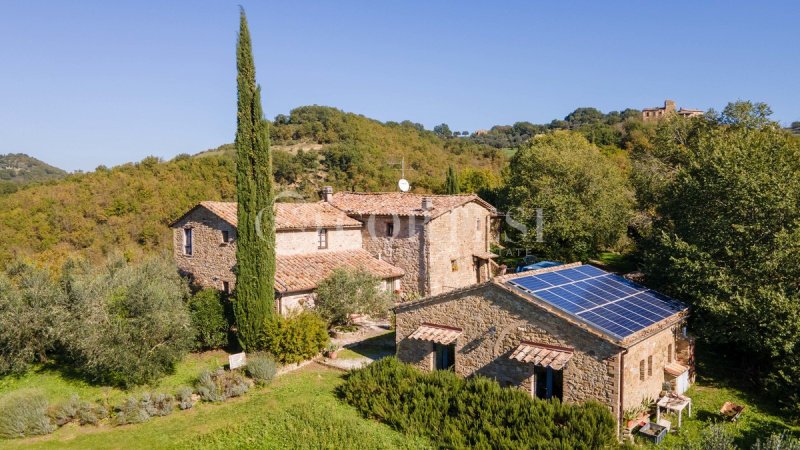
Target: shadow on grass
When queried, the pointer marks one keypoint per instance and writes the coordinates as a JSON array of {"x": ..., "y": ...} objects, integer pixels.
[{"x": 376, "y": 347}]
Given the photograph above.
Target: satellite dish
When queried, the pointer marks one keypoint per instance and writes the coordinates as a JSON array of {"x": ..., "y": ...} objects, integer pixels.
[{"x": 403, "y": 185}]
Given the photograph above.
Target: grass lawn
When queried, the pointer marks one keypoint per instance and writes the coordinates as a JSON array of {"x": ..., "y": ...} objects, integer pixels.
[
  {"x": 615, "y": 262},
  {"x": 375, "y": 347},
  {"x": 59, "y": 385},
  {"x": 716, "y": 384},
  {"x": 298, "y": 410}
]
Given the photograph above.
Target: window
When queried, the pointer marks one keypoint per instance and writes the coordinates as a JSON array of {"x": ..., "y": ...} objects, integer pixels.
[
  {"x": 390, "y": 229},
  {"x": 641, "y": 370},
  {"x": 669, "y": 353},
  {"x": 226, "y": 287},
  {"x": 454, "y": 265},
  {"x": 445, "y": 356},
  {"x": 187, "y": 241},
  {"x": 478, "y": 224},
  {"x": 225, "y": 236},
  {"x": 548, "y": 383},
  {"x": 322, "y": 235},
  {"x": 650, "y": 366}
]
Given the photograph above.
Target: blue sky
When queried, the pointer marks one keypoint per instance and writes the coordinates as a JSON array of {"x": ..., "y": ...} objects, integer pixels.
[{"x": 97, "y": 82}]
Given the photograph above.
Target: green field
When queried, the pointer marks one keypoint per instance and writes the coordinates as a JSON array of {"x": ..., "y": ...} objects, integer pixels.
[{"x": 298, "y": 410}]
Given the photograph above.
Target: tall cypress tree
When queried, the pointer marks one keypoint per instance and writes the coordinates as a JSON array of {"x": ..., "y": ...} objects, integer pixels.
[
  {"x": 255, "y": 247},
  {"x": 451, "y": 182}
]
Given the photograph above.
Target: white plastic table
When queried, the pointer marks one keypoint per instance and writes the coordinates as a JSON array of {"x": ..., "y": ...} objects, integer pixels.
[{"x": 675, "y": 402}]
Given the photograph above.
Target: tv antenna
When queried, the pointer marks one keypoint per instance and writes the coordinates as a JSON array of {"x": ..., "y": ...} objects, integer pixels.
[{"x": 403, "y": 184}]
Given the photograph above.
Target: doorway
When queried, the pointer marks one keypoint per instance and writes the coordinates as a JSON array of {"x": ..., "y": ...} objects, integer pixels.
[
  {"x": 445, "y": 356},
  {"x": 548, "y": 383}
]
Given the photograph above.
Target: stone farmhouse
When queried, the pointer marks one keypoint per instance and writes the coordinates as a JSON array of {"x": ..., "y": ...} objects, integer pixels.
[
  {"x": 417, "y": 245},
  {"x": 534, "y": 334},
  {"x": 651, "y": 114},
  {"x": 440, "y": 241}
]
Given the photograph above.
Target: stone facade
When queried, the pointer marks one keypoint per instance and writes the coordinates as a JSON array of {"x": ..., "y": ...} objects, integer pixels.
[
  {"x": 213, "y": 253},
  {"x": 405, "y": 248},
  {"x": 644, "y": 366},
  {"x": 454, "y": 238},
  {"x": 437, "y": 254},
  {"x": 652, "y": 114},
  {"x": 494, "y": 320},
  {"x": 494, "y": 323},
  {"x": 440, "y": 242},
  {"x": 295, "y": 242},
  {"x": 212, "y": 260}
]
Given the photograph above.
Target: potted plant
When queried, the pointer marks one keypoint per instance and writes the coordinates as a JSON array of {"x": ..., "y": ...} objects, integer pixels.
[{"x": 332, "y": 350}]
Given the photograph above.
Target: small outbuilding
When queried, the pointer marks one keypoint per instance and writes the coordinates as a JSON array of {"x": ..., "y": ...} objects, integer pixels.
[{"x": 573, "y": 332}]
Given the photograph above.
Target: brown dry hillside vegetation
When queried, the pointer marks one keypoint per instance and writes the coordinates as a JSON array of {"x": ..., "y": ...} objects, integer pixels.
[{"x": 128, "y": 208}]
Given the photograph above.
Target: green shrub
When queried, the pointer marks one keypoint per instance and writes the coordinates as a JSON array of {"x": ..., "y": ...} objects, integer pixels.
[
  {"x": 24, "y": 413},
  {"x": 132, "y": 411},
  {"x": 66, "y": 411},
  {"x": 207, "y": 311},
  {"x": 76, "y": 410},
  {"x": 777, "y": 442},
  {"x": 163, "y": 404},
  {"x": 295, "y": 338},
  {"x": 220, "y": 385},
  {"x": 185, "y": 397},
  {"x": 347, "y": 292},
  {"x": 477, "y": 412},
  {"x": 261, "y": 368},
  {"x": 207, "y": 387},
  {"x": 91, "y": 415}
]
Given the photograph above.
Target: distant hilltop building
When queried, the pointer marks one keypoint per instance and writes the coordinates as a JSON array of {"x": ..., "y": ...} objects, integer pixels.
[{"x": 650, "y": 114}]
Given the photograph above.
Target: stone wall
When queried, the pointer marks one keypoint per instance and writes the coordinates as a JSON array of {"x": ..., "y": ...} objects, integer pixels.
[
  {"x": 212, "y": 260},
  {"x": 655, "y": 347},
  {"x": 299, "y": 242},
  {"x": 405, "y": 249},
  {"x": 454, "y": 238},
  {"x": 295, "y": 301},
  {"x": 494, "y": 322}
]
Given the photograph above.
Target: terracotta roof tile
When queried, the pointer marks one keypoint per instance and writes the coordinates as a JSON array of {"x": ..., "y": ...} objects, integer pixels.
[
  {"x": 292, "y": 216},
  {"x": 401, "y": 203},
  {"x": 542, "y": 355},
  {"x": 436, "y": 333},
  {"x": 305, "y": 271},
  {"x": 675, "y": 369}
]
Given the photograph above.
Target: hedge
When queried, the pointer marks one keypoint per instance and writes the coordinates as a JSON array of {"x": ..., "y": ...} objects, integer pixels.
[{"x": 473, "y": 413}]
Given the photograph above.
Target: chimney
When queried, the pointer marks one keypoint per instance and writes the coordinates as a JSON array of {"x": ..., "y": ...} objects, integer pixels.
[
  {"x": 327, "y": 194},
  {"x": 427, "y": 203}
]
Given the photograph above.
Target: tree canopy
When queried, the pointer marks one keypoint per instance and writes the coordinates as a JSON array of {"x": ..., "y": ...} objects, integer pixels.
[
  {"x": 584, "y": 196},
  {"x": 725, "y": 237}
]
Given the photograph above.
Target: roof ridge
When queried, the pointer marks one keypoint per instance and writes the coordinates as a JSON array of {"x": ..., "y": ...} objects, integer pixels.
[{"x": 405, "y": 193}]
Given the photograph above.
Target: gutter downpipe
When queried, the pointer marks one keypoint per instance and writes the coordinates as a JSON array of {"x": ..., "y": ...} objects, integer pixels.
[{"x": 620, "y": 409}]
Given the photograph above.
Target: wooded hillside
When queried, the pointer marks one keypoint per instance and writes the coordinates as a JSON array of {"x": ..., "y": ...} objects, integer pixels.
[
  {"x": 128, "y": 208},
  {"x": 18, "y": 168}
]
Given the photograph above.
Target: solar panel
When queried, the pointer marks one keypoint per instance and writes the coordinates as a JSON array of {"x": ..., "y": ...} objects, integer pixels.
[{"x": 603, "y": 300}]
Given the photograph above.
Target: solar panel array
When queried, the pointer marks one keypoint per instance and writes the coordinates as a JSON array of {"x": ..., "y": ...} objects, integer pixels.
[{"x": 605, "y": 301}]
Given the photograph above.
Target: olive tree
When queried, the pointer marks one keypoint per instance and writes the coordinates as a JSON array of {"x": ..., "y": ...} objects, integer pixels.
[
  {"x": 127, "y": 323},
  {"x": 348, "y": 292},
  {"x": 31, "y": 316}
]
